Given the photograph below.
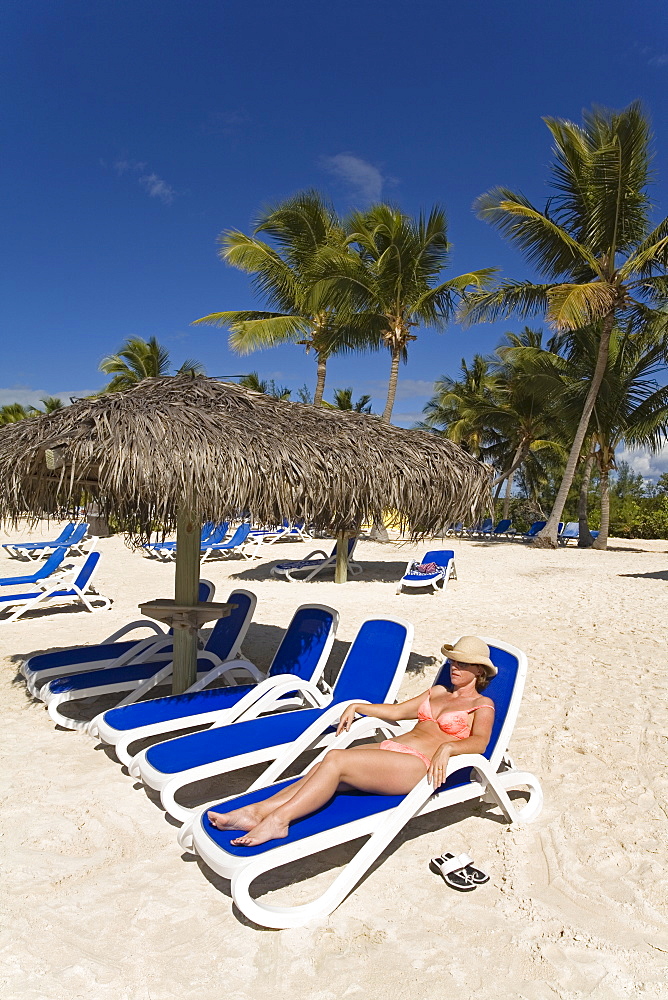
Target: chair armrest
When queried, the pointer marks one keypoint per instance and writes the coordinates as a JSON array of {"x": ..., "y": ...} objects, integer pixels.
[
  {"x": 302, "y": 743},
  {"x": 223, "y": 668},
  {"x": 266, "y": 696},
  {"x": 130, "y": 627}
]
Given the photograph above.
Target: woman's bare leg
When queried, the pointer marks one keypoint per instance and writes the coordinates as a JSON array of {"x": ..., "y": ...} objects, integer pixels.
[
  {"x": 383, "y": 774},
  {"x": 249, "y": 816}
]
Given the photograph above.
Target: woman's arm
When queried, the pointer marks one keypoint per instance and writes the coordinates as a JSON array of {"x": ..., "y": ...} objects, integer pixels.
[{"x": 388, "y": 713}]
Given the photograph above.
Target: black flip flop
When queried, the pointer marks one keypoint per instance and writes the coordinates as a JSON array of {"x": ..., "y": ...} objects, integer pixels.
[{"x": 458, "y": 872}]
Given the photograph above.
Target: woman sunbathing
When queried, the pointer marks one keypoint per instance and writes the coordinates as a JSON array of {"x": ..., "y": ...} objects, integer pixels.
[{"x": 451, "y": 721}]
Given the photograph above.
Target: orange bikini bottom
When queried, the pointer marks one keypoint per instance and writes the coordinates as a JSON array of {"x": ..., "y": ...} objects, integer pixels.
[{"x": 402, "y": 748}]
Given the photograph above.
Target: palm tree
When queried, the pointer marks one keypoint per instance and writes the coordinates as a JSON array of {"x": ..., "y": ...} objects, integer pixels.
[
  {"x": 603, "y": 262},
  {"x": 299, "y": 227},
  {"x": 139, "y": 359},
  {"x": 50, "y": 403},
  {"x": 266, "y": 386},
  {"x": 455, "y": 408},
  {"x": 11, "y": 413},
  {"x": 631, "y": 406},
  {"x": 391, "y": 285},
  {"x": 343, "y": 400}
]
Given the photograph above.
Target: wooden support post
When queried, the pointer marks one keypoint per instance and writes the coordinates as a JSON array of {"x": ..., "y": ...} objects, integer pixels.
[
  {"x": 186, "y": 591},
  {"x": 341, "y": 572}
]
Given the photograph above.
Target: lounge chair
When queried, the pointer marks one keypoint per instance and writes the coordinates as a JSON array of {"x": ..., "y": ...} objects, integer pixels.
[
  {"x": 17, "y": 549},
  {"x": 455, "y": 529},
  {"x": 571, "y": 532},
  {"x": 312, "y": 566},
  {"x": 37, "y": 550},
  {"x": 148, "y": 670},
  {"x": 384, "y": 642},
  {"x": 237, "y": 543},
  {"x": 166, "y": 551},
  {"x": 45, "y": 571},
  {"x": 535, "y": 528},
  {"x": 80, "y": 590},
  {"x": 479, "y": 528},
  {"x": 501, "y": 528},
  {"x": 299, "y": 660},
  {"x": 109, "y": 653},
  {"x": 438, "y": 580},
  {"x": 352, "y": 815},
  {"x": 284, "y": 532}
]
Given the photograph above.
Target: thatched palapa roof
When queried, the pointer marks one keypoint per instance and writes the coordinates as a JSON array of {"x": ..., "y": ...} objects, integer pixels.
[{"x": 225, "y": 451}]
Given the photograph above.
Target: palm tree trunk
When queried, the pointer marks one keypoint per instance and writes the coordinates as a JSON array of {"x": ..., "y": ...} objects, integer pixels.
[
  {"x": 392, "y": 385},
  {"x": 601, "y": 542},
  {"x": 320, "y": 384},
  {"x": 547, "y": 538},
  {"x": 506, "y": 499},
  {"x": 585, "y": 537}
]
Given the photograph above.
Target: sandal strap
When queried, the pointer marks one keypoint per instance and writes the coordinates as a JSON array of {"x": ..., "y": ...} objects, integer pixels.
[{"x": 447, "y": 865}]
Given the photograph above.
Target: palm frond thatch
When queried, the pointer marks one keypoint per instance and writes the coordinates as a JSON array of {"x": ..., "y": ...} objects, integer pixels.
[{"x": 225, "y": 451}]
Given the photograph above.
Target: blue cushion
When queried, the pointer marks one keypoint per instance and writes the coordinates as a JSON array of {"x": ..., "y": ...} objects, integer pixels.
[
  {"x": 344, "y": 807},
  {"x": 84, "y": 654},
  {"x": 423, "y": 577},
  {"x": 303, "y": 643},
  {"x": 176, "y": 706},
  {"x": 238, "y": 738},
  {"x": 114, "y": 675}
]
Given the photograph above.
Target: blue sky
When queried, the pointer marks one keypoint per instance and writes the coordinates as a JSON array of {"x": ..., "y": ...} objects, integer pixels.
[{"x": 135, "y": 131}]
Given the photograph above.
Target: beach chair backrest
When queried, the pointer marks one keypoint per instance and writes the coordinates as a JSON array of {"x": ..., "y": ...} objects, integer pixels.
[
  {"x": 206, "y": 591},
  {"x": 487, "y": 524},
  {"x": 535, "y": 528},
  {"x": 439, "y": 556},
  {"x": 207, "y": 529},
  {"x": 216, "y": 535},
  {"x": 52, "y": 563},
  {"x": 239, "y": 536},
  {"x": 65, "y": 533},
  {"x": 78, "y": 534},
  {"x": 226, "y": 631},
  {"x": 502, "y": 526},
  {"x": 352, "y": 542},
  {"x": 307, "y": 638},
  {"x": 571, "y": 530},
  {"x": 83, "y": 576},
  {"x": 505, "y": 690},
  {"x": 376, "y": 661}
]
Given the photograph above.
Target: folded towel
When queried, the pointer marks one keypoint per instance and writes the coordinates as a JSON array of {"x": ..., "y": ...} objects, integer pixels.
[{"x": 427, "y": 568}]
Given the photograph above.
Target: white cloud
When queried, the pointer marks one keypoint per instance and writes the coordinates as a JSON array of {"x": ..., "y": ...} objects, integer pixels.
[
  {"x": 644, "y": 462},
  {"x": 157, "y": 188},
  {"x": 154, "y": 185},
  {"x": 31, "y": 397},
  {"x": 366, "y": 180},
  {"x": 406, "y": 419},
  {"x": 658, "y": 61}
]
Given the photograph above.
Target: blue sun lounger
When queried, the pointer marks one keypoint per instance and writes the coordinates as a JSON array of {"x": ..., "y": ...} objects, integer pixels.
[
  {"x": 571, "y": 532},
  {"x": 166, "y": 551},
  {"x": 298, "y": 663},
  {"x": 384, "y": 642},
  {"x": 37, "y": 550},
  {"x": 352, "y": 815},
  {"x": 237, "y": 543},
  {"x": 80, "y": 590},
  {"x": 312, "y": 566},
  {"x": 285, "y": 531},
  {"x": 17, "y": 549},
  {"x": 501, "y": 528},
  {"x": 45, "y": 571},
  {"x": 438, "y": 580},
  {"x": 149, "y": 669},
  {"x": 109, "y": 653}
]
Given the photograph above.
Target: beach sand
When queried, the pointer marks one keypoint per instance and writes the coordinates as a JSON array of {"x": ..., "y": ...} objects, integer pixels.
[{"x": 99, "y": 900}]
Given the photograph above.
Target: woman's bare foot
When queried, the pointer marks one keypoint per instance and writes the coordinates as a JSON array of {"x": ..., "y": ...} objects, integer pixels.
[
  {"x": 271, "y": 828},
  {"x": 245, "y": 818}
]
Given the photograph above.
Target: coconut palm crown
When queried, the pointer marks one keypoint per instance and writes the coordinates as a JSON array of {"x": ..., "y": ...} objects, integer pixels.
[
  {"x": 298, "y": 227},
  {"x": 391, "y": 285},
  {"x": 602, "y": 261}
]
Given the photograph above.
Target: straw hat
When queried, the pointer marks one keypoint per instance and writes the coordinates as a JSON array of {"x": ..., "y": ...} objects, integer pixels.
[{"x": 470, "y": 649}]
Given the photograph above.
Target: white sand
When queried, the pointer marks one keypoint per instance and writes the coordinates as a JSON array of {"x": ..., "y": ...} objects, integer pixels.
[{"x": 101, "y": 902}]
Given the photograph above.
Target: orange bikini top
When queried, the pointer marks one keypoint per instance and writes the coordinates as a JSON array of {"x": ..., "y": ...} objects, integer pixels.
[{"x": 451, "y": 723}]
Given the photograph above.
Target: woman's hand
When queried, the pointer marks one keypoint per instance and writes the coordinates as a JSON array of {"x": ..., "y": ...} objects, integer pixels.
[
  {"x": 439, "y": 765},
  {"x": 347, "y": 719}
]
